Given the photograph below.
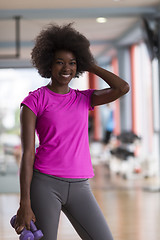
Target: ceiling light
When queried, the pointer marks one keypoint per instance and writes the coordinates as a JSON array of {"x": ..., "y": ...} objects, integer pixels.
[{"x": 101, "y": 20}]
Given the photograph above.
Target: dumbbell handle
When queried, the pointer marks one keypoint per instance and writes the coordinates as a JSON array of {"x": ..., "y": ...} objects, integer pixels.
[
  {"x": 25, "y": 234},
  {"x": 32, "y": 225},
  {"x": 37, "y": 233}
]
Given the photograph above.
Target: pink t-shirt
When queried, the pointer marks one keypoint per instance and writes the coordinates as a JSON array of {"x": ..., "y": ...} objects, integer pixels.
[{"x": 62, "y": 129}]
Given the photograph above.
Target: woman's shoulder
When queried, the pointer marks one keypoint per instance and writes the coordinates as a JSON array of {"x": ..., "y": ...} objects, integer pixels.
[
  {"x": 39, "y": 90},
  {"x": 37, "y": 93},
  {"x": 87, "y": 92}
]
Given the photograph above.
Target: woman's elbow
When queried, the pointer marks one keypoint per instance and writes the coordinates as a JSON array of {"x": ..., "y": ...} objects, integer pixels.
[{"x": 125, "y": 89}]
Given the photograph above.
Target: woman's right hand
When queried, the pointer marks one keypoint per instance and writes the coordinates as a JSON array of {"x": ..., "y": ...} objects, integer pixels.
[{"x": 23, "y": 218}]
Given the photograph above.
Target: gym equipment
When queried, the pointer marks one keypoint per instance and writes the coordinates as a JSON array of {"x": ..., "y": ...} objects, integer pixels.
[{"x": 32, "y": 234}]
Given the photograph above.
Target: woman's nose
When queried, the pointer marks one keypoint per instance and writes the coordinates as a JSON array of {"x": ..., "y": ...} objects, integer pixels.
[{"x": 66, "y": 66}]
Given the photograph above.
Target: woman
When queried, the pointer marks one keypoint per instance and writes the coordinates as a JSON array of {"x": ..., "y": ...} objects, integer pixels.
[{"x": 55, "y": 178}]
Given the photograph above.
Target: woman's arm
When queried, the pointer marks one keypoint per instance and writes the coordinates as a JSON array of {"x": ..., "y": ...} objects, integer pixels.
[
  {"x": 118, "y": 87},
  {"x": 24, "y": 213}
]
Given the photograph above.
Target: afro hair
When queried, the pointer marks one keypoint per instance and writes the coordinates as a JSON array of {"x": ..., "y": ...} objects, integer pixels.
[{"x": 55, "y": 38}]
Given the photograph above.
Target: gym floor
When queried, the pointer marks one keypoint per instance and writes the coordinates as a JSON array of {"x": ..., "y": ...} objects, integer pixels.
[{"x": 131, "y": 210}]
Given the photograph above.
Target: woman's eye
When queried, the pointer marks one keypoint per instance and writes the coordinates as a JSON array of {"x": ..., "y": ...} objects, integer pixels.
[
  {"x": 58, "y": 62},
  {"x": 73, "y": 63}
]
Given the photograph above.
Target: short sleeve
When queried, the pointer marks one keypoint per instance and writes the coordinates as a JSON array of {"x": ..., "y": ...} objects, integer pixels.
[
  {"x": 88, "y": 93},
  {"x": 32, "y": 102}
]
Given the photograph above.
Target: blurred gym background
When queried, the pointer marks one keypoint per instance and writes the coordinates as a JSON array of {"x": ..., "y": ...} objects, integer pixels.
[{"x": 125, "y": 39}]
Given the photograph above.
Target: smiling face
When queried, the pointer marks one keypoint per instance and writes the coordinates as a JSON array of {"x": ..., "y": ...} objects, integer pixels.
[{"x": 64, "y": 68}]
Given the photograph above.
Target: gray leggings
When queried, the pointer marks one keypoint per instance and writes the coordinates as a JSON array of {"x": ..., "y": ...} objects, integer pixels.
[{"x": 50, "y": 195}]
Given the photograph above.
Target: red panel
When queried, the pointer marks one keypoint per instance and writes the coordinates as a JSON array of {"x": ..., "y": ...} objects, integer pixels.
[
  {"x": 133, "y": 87},
  {"x": 93, "y": 84},
  {"x": 117, "y": 104}
]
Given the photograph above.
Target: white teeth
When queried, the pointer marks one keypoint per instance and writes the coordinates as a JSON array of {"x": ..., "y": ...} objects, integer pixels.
[{"x": 66, "y": 76}]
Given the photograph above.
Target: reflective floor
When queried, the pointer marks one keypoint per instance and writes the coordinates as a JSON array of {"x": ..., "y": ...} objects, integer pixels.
[{"x": 132, "y": 212}]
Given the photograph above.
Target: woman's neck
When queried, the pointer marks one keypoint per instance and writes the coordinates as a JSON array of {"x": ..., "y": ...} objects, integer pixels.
[{"x": 57, "y": 89}]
